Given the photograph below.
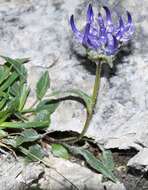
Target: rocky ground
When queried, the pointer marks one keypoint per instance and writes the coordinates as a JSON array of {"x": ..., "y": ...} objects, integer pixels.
[{"x": 40, "y": 30}]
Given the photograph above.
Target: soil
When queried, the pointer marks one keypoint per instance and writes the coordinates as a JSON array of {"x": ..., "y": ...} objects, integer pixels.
[{"x": 133, "y": 179}]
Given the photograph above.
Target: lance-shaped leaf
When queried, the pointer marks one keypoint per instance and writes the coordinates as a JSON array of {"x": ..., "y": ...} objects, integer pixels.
[
  {"x": 4, "y": 73},
  {"x": 17, "y": 64},
  {"x": 23, "y": 125},
  {"x": 9, "y": 110},
  {"x": 23, "y": 96},
  {"x": 107, "y": 159},
  {"x": 42, "y": 116},
  {"x": 92, "y": 161},
  {"x": 3, "y": 133},
  {"x": 2, "y": 103},
  {"x": 34, "y": 153},
  {"x": 60, "y": 151},
  {"x": 42, "y": 85},
  {"x": 28, "y": 135},
  {"x": 49, "y": 105},
  {"x": 9, "y": 81}
]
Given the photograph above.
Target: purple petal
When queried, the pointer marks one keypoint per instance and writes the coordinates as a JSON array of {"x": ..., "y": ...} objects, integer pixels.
[
  {"x": 119, "y": 35},
  {"x": 100, "y": 20},
  {"x": 94, "y": 42},
  {"x": 86, "y": 33},
  {"x": 121, "y": 23},
  {"x": 130, "y": 26},
  {"x": 90, "y": 14},
  {"x": 102, "y": 31},
  {"x": 129, "y": 18},
  {"x": 103, "y": 36},
  {"x": 93, "y": 29},
  {"x": 108, "y": 15},
  {"x": 129, "y": 23},
  {"x": 120, "y": 31},
  {"x": 126, "y": 31},
  {"x": 112, "y": 45},
  {"x": 90, "y": 38},
  {"x": 74, "y": 29}
]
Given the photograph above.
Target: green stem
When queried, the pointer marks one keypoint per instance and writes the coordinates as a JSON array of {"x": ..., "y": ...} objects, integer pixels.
[
  {"x": 29, "y": 110},
  {"x": 94, "y": 99}
]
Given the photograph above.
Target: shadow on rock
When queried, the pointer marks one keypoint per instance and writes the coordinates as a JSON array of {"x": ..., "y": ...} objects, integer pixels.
[{"x": 107, "y": 71}]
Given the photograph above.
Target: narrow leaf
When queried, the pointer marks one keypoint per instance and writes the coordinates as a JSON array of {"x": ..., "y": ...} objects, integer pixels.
[
  {"x": 3, "y": 133},
  {"x": 4, "y": 73},
  {"x": 34, "y": 153},
  {"x": 9, "y": 81},
  {"x": 2, "y": 103},
  {"x": 92, "y": 161},
  {"x": 23, "y": 97},
  {"x": 107, "y": 159},
  {"x": 28, "y": 135},
  {"x": 43, "y": 115},
  {"x": 42, "y": 85},
  {"x": 60, "y": 151},
  {"x": 21, "y": 125},
  {"x": 49, "y": 105},
  {"x": 17, "y": 64}
]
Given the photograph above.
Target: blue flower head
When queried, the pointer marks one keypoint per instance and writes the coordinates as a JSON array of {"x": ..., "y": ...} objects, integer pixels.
[{"x": 101, "y": 34}]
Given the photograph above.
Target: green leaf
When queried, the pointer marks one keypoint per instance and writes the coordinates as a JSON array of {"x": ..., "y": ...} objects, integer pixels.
[
  {"x": 23, "y": 97},
  {"x": 76, "y": 92},
  {"x": 17, "y": 65},
  {"x": 28, "y": 135},
  {"x": 9, "y": 81},
  {"x": 34, "y": 153},
  {"x": 4, "y": 73},
  {"x": 15, "y": 61},
  {"x": 48, "y": 105},
  {"x": 107, "y": 159},
  {"x": 22, "y": 125},
  {"x": 11, "y": 108},
  {"x": 10, "y": 141},
  {"x": 3, "y": 133},
  {"x": 4, "y": 115},
  {"x": 60, "y": 151},
  {"x": 22, "y": 60},
  {"x": 92, "y": 161},
  {"x": 3, "y": 94},
  {"x": 43, "y": 115},
  {"x": 2, "y": 103},
  {"x": 15, "y": 89},
  {"x": 42, "y": 85}
]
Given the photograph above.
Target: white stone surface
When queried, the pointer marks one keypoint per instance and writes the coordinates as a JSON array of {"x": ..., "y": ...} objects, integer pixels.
[
  {"x": 15, "y": 175},
  {"x": 63, "y": 174},
  {"x": 140, "y": 160},
  {"x": 40, "y": 30}
]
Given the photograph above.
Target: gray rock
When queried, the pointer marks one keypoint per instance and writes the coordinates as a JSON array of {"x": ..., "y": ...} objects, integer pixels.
[
  {"x": 140, "y": 160},
  {"x": 14, "y": 175},
  {"x": 63, "y": 174},
  {"x": 74, "y": 175}
]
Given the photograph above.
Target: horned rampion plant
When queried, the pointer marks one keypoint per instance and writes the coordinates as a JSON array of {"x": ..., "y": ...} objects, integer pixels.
[{"x": 24, "y": 129}]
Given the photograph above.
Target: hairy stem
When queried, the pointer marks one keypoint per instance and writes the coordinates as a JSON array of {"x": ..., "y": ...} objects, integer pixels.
[{"x": 94, "y": 99}]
